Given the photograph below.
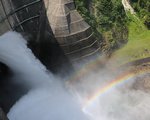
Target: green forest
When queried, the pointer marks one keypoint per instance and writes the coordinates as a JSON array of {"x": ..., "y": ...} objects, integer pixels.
[
  {"x": 121, "y": 33},
  {"x": 142, "y": 8}
]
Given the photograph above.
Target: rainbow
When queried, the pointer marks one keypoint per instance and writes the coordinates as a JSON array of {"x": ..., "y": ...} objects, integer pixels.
[
  {"x": 86, "y": 68},
  {"x": 113, "y": 83}
]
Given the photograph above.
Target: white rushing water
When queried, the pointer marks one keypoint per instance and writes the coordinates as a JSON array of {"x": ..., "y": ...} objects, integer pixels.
[
  {"x": 47, "y": 99},
  {"x": 118, "y": 102},
  {"x": 116, "y": 105}
]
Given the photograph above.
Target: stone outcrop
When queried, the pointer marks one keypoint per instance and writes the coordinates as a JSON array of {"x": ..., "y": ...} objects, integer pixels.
[
  {"x": 127, "y": 6},
  {"x": 73, "y": 34}
]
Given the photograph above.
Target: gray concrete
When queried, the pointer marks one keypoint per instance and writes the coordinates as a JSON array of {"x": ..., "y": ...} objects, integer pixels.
[
  {"x": 73, "y": 34},
  {"x": 4, "y": 25}
]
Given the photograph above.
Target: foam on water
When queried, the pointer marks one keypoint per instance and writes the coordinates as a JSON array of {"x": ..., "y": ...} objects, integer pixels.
[{"x": 47, "y": 99}]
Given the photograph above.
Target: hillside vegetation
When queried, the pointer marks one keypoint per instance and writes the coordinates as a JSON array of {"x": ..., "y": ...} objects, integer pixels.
[
  {"x": 142, "y": 8},
  {"x": 125, "y": 36},
  {"x": 108, "y": 18},
  {"x": 138, "y": 45}
]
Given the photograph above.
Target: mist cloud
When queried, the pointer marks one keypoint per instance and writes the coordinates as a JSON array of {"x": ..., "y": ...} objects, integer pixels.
[{"x": 50, "y": 99}]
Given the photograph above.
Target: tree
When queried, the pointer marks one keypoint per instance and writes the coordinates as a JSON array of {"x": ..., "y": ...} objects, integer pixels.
[
  {"x": 142, "y": 8},
  {"x": 108, "y": 18}
]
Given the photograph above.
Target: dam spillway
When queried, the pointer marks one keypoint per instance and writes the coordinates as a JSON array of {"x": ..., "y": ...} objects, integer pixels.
[
  {"x": 29, "y": 18},
  {"x": 57, "y": 21}
]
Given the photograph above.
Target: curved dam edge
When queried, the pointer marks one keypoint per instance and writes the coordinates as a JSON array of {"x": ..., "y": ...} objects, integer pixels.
[
  {"x": 50, "y": 31},
  {"x": 29, "y": 18}
]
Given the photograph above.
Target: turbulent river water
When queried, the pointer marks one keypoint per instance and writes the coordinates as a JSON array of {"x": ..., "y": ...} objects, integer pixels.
[{"x": 49, "y": 99}]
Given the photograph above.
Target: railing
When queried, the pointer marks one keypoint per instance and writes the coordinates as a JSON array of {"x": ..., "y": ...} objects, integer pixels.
[
  {"x": 87, "y": 55},
  {"x": 17, "y": 10},
  {"x": 75, "y": 51},
  {"x": 26, "y": 20}
]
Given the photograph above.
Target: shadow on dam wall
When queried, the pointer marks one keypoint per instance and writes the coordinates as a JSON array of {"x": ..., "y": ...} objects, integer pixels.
[{"x": 29, "y": 18}]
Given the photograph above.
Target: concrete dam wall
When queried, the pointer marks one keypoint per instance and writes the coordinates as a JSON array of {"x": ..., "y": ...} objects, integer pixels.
[
  {"x": 73, "y": 34},
  {"x": 29, "y": 18},
  {"x": 56, "y": 34},
  {"x": 53, "y": 22}
]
